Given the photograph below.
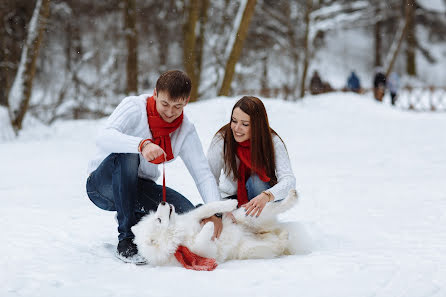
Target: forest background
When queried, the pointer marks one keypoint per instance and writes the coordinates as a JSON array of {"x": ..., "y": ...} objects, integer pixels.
[{"x": 75, "y": 59}]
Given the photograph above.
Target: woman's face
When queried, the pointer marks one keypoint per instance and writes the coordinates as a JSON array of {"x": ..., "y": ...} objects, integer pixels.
[{"x": 240, "y": 125}]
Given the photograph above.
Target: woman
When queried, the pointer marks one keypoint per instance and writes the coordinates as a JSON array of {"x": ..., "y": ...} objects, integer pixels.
[{"x": 253, "y": 157}]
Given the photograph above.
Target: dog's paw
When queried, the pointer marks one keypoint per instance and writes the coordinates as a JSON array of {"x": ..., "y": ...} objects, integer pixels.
[
  {"x": 224, "y": 205},
  {"x": 292, "y": 194}
]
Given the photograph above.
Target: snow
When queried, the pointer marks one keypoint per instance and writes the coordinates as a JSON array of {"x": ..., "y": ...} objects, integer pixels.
[
  {"x": 433, "y": 5},
  {"x": 372, "y": 190}
]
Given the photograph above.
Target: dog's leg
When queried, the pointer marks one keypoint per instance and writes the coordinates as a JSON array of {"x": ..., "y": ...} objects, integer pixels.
[
  {"x": 271, "y": 209},
  {"x": 257, "y": 249},
  {"x": 269, "y": 213},
  {"x": 275, "y": 208},
  {"x": 203, "y": 245},
  {"x": 209, "y": 209}
]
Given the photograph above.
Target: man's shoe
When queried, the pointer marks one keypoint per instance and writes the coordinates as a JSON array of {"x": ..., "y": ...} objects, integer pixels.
[
  {"x": 127, "y": 251},
  {"x": 127, "y": 248}
]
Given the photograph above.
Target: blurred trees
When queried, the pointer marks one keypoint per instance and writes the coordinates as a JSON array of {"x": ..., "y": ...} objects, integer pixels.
[{"x": 89, "y": 46}]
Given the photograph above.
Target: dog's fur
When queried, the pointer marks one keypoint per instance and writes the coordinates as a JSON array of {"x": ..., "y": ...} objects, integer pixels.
[{"x": 159, "y": 233}]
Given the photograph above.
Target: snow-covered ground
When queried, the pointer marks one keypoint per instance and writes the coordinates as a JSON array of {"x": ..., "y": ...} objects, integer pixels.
[{"x": 373, "y": 199}]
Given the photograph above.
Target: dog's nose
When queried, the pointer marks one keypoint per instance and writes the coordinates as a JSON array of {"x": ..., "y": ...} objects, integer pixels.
[{"x": 163, "y": 203}]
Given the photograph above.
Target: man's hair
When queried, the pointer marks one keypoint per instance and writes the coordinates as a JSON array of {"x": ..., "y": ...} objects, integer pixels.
[{"x": 176, "y": 83}]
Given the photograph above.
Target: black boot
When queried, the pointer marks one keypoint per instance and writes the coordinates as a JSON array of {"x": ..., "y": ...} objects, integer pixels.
[{"x": 126, "y": 248}]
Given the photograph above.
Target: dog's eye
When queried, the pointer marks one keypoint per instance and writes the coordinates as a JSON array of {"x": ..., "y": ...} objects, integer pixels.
[{"x": 159, "y": 220}]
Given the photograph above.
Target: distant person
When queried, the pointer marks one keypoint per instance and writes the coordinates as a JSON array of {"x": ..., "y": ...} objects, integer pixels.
[
  {"x": 353, "y": 83},
  {"x": 316, "y": 84},
  {"x": 393, "y": 83},
  {"x": 379, "y": 84}
]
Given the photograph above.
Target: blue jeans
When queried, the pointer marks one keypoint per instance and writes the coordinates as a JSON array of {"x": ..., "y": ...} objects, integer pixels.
[
  {"x": 254, "y": 186},
  {"x": 115, "y": 186}
]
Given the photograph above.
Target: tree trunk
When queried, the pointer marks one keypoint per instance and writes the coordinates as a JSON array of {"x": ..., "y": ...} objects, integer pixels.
[
  {"x": 378, "y": 40},
  {"x": 237, "y": 47},
  {"x": 20, "y": 92},
  {"x": 199, "y": 48},
  {"x": 132, "y": 46},
  {"x": 190, "y": 41},
  {"x": 306, "y": 48},
  {"x": 410, "y": 38},
  {"x": 396, "y": 45},
  {"x": 14, "y": 16}
]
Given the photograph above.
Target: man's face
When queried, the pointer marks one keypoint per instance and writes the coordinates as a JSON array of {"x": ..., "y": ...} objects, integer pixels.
[{"x": 168, "y": 109}]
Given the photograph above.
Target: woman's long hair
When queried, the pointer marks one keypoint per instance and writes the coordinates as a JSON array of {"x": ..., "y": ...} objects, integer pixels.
[{"x": 262, "y": 148}]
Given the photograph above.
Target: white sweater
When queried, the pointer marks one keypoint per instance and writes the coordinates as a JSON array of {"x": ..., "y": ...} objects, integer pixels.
[
  {"x": 285, "y": 177},
  {"x": 128, "y": 125}
]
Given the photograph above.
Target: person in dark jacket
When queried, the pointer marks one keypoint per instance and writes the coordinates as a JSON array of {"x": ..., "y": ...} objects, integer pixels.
[
  {"x": 353, "y": 83},
  {"x": 379, "y": 84},
  {"x": 316, "y": 84}
]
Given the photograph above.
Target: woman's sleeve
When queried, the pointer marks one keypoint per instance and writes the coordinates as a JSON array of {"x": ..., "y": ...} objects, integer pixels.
[{"x": 285, "y": 176}]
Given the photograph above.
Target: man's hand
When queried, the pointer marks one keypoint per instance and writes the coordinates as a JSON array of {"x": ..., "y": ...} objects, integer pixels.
[
  {"x": 231, "y": 216},
  {"x": 218, "y": 225},
  {"x": 152, "y": 151},
  {"x": 256, "y": 205}
]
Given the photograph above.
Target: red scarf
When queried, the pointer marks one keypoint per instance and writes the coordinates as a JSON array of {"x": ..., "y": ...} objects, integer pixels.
[
  {"x": 244, "y": 170},
  {"x": 160, "y": 130},
  {"x": 193, "y": 261}
]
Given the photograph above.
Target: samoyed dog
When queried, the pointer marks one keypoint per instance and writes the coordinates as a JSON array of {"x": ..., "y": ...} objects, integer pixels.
[{"x": 160, "y": 233}]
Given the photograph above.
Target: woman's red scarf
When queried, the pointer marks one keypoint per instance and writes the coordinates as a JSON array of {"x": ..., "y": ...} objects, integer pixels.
[
  {"x": 244, "y": 170},
  {"x": 160, "y": 130}
]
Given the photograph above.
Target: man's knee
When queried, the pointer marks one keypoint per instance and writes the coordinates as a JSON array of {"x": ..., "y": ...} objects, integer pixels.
[{"x": 128, "y": 163}]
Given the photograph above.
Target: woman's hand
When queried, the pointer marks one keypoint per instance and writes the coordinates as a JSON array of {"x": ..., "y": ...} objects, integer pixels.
[{"x": 256, "y": 205}]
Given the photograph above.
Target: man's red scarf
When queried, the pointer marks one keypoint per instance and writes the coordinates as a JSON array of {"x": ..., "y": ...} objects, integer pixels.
[
  {"x": 160, "y": 130},
  {"x": 244, "y": 170}
]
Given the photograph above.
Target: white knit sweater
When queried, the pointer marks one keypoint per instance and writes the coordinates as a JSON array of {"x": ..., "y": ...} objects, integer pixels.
[
  {"x": 285, "y": 177},
  {"x": 128, "y": 125}
]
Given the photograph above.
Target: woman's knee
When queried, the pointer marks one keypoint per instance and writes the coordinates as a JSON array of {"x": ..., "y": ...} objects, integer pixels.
[{"x": 255, "y": 186}]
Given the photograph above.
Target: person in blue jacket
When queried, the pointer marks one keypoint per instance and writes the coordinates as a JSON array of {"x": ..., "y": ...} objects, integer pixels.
[{"x": 353, "y": 83}]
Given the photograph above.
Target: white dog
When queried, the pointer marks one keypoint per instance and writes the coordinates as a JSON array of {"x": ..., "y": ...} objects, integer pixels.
[{"x": 159, "y": 233}]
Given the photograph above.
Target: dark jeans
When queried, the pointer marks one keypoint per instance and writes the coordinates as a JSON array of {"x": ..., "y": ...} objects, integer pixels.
[
  {"x": 254, "y": 186},
  {"x": 115, "y": 186}
]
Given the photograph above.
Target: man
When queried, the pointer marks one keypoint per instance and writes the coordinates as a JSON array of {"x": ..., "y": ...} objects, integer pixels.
[{"x": 141, "y": 133}]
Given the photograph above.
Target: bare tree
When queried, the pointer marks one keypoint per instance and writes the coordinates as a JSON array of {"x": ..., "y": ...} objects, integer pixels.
[
  {"x": 20, "y": 92},
  {"x": 14, "y": 17},
  {"x": 131, "y": 35},
  {"x": 307, "y": 43},
  {"x": 237, "y": 46},
  {"x": 190, "y": 41},
  {"x": 410, "y": 38}
]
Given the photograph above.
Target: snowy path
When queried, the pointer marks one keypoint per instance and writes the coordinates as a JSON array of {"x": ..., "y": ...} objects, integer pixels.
[{"x": 373, "y": 197}]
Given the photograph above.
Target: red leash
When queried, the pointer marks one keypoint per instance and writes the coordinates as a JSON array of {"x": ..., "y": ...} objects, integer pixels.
[{"x": 164, "y": 182}]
